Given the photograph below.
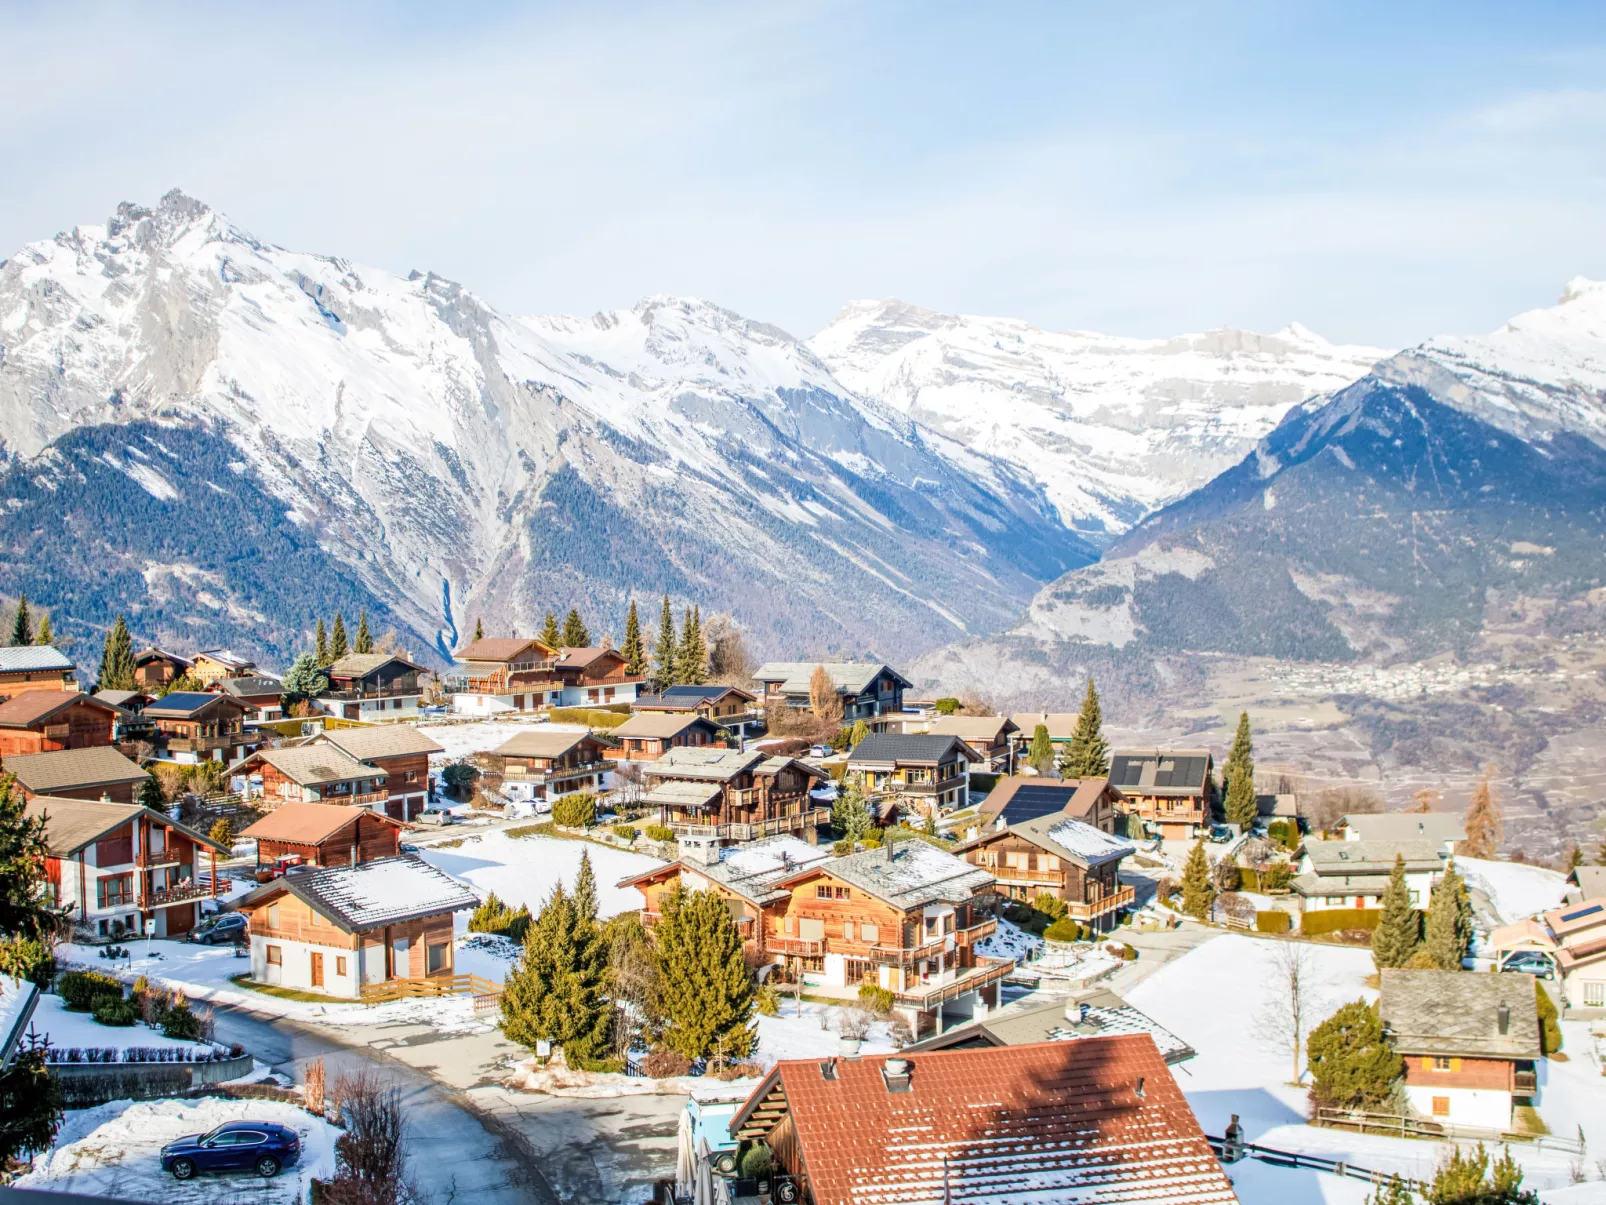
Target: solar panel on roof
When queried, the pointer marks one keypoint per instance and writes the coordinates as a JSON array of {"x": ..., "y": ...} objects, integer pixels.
[
  {"x": 1128, "y": 772},
  {"x": 1037, "y": 799},
  {"x": 1179, "y": 772},
  {"x": 1581, "y": 913}
]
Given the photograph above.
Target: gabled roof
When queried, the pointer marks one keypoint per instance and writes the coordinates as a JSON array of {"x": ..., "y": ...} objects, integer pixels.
[
  {"x": 1569, "y": 919},
  {"x": 386, "y": 891},
  {"x": 1404, "y": 826},
  {"x": 541, "y": 744},
  {"x": 226, "y": 657},
  {"x": 687, "y": 698},
  {"x": 678, "y": 793},
  {"x": 703, "y": 762},
  {"x": 20, "y": 658},
  {"x": 983, "y": 728},
  {"x": 1060, "y": 724},
  {"x": 311, "y": 823},
  {"x": 186, "y": 704},
  {"x": 1098, "y": 1013},
  {"x": 889, "y": 748},
  {"x": 577, "y": 658},
  {"x": 313, "y": 765},
  {"x": 360, "y": 665},
  {"x": 847, "y": 677},
  {"x": 1373, "y": 857},
  {"x": 504, "y": 648},
  {"x": 35, "y": 706},
  {"x": 393, "y": 740},
  {"x": 1454, "y": 1013},
  {"x": 73, "y": 769},
  {"x": 1591, "y": 881},
  {"x": 664, "y": 725},
  {"x": 1160, "y": 771},
  {"x": 1023, "y": 796},
  {"x": 750, "y": 871},
  {"x": 906, "y": 874},
  {"x": 123, "y": 700},
  {"x": 1070, "y": 839},
  {"x": 1090, "y": 1122},
  {"x": 72, "y": 824},
  {"x": 152, "y": 653},
  {"x": 251, "y": 686}
]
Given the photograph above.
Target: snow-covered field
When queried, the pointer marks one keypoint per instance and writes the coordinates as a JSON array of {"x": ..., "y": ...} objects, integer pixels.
[
  {"x": 1221, "y": 999},
  {"x": 459, "y": 740},
  {"x": 811, "y": 1034},
  {"x": 68, "y": 1029},
  {"x": 523, "y": 870},
  {"x": 1515, "y": 891},
  {"x": 1009, "y": 941},
  {"x": 112, "y": 1150}
]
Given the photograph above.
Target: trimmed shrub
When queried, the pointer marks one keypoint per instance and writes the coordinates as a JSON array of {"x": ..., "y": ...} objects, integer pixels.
[
  {"x": 1277, "y": 876},
  {"x": 114, "y": 1010},
  {"x": 1050, "y": 906},
  {"x": 1335, "y": 920},
  {"x": 1248, "y": 879},
  {"x": 591, "y": 717},
  {"x": 79, "y": 989},
  {"x": 659, "y": 832},
  {"x": 1284, "y": 832},
  {"x": 1273, "y": 922},
  {"x": 1122, "y": 951},
  {"x": 877, "y": 999},
  {"x": 181, "y": 1024},
  {"x": 578, "y": 810},
  {"x": 1064, "y": 929},
  {"x": 1549, "y": 1025},
  {"x": 628, "y": 831},
  {"x": 757, "y": 1162}
]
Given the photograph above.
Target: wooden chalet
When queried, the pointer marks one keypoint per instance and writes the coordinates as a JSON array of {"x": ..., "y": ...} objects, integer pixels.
[
  {"x": 650, "y": 735},
  {"x": 402, "y": 752},
  {"x": 925, "y": 775},
  {"x": 552, "y": 764},
  {"x": 211, "y": 664},
  {"x": 261, "y": 696},
  {"x": 728, "y": 706},
  {"x": 1027, "y": 796},
  {"x": 154, "y": 668},
  {"x": 325, "y": 834},
  {"x": 41, "y": 721},
  {"x": 594, "y": 677},
  {"x": 196, "y": 726},
  {"x": 117, "y": 865},
  {"x": 34, "y": 667},
  {"x": 1092, "y": 1122},
  {"x": 1055, "y": 855},
  {"x": 342, "y": 929},
  {"x": 728, "y": 796},
  {"x": 1172, "y": 792},
  {"x": 315, "y": 773},
  {"x": 868, "y": 689},
  {"x": 991, "y": 736},
  {"x": 98, "y": 772},
  {"x": 505, "y": 673},
  {"x": 373, "y": 686}
]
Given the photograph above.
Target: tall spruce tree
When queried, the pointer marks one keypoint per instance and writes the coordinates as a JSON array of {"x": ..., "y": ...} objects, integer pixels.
[
  {"x": 365, "y": 639},
  {"x": 706, "y": 990},
  {"x": 45, "y": 636},
  {"x": 1240, "y": 804},
  {"x": 117, "y": 658},
  {"x": 667, "y": 651},
  {"x": 1198, "y": 893},
  {"x": 1394, "y": 940},
  {"x": 692, "y": 664},
  {"x": 321, "y": 646},
  {"x": 22, "y": 623},
  {"x": 479, "y": 629},
  {"x": 1088, "y": 753},
  {"x": 1040, "y": 754},
  {"x": 635, "y": 648},
  {"x": 575, "y": 635},
  {"x": 1449, "y": 924},
  {"x": 22, "y": 864},
  {"x": 850, "y": 811},
  {"x": 339, "y": 645},
  {"x": 551, "y": 635},
  {"x": 557, "y": 992}
]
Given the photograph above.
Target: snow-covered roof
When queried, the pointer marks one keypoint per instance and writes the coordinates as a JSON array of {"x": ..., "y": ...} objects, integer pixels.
[
  {"x": 386, "y": 891},
  {"x": 17, "y": 658},
  {"x": 1099, "y": 1013},
  {"x": 717, "y": 765},
  {"x": 751, "y": 871},
  {"x": 909, "y": 874},
  {"x": 1074, "y": 839}
]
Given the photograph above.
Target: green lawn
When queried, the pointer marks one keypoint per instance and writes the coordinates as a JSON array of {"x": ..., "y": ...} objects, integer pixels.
[{"x": 284, "y": 993}]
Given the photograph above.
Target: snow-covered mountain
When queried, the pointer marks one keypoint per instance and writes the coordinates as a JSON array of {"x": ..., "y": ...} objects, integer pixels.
[
  {"x": 225, "y": 439},
  {"x": 1114, "y": 428}
]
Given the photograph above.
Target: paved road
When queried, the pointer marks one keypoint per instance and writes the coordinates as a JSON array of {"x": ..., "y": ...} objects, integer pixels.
[{"x": 460, "y": 1152}]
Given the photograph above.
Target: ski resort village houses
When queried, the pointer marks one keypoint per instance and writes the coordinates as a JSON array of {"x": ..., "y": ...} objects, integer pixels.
[
  {"x": 545, "y": 765},
  {"x": 34, "y": 667},
  {"x": 1572, "y": 939},
  {"x": 650, "y": 735},
  {"x": 500, "y": 674},
  {"x": 1354, "y": 874},
  {"x": 43, "y": 721},
  {"x": 261, "y": 696},
  {"x": 727, "y": 796},
  {"x": 154, "y": 668},
  {"x": 1055, "y": 855},
  {"x": 211, "y": 664},
  {"x": 373, "y": 686},
  {"x": 197, "y": 726},
  {"x": 924, "y": 774},
  {"x": 1024, "y": 797},
  {"x": 340, "y": 929},
  {"x": 868, "y": 691},
  {"x": 733, "y": 709},
  {"x": 324, "y": 834},
  {"x": 118, "y": 865},
  {"x": 991, "y": 736},
  {"x": 100, "y": 773},
  {"x": 320, "y": 773},
  {"x": 401, "y": 752},
  {"x": 1171, "y": 791},
  {"x": 1469, "y": 1043}
]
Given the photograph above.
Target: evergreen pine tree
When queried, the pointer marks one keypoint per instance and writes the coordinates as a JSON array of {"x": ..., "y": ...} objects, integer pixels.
[
  {"x": 45, "y": 636},
  {"x": 22, "y": 623},
  {"x": 322, "y": 645},
  {"x": 551, "y": 635},
  {"x": 365, "y": 640},
  {"x": 691, "y": 667},
  {"x": 667, "y": 652},
  {"x": 150, "y": 794},
  {"x": 117, "y": 659},
  {"x": 1198, "y": 893},
  {"x": 338, "y": 644},
  {"x": 635, "y": 649},
  {"x": 30, "y": 1103},
  {"x": 706, "y": 990},
  {"x": 857, "y": 736},
  {"x": 1040, "y": 756},
  {"x": 557, "y": 992},
  {"x": 479, "y": 629},
  {"x": 1240, "y": 804},
  {"x": 305, "y": 679},
  {"x": 1351, "y": 1062},
  {"x": 850, "y": 811},
  {"x": 1575, "y": 857},
  {"x": 1088, "y": 754},
  {"x": 1394, "y": 939},
  {"x": 575, "y": 635},
  {"x": 585, "y": 890},
  {"x": 1484, "y": 826},
  {"x": 1449, "y": 924},
  {"x": 22, "y": 864}
]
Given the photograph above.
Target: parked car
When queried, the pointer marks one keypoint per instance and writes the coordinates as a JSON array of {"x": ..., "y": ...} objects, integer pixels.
[
  {"x": 523, "y": 809},
  {"x": 262, "y": 1147},
  {"x": 1529, "y": 962},
  {"x": 435, "y": 816},
  {"x": 1220, "y": 834},
  {"x": 226, "y": 927}
]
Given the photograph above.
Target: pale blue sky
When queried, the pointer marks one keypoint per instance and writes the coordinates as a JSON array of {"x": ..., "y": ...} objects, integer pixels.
[{"x": 1379, "y": 172}]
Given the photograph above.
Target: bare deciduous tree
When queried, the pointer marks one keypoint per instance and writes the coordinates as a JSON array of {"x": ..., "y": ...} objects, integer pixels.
[
  {"x": 824, "y": 702},
  {"x": 1485, "y": 826},
  {"x": 1323, "y": 807},
  {"x": 1424, "y": 801},
  {"x": 1295, "y": 990},
  {"x": 370, "y": 1166},
  {"x": 728, "y": 660}
]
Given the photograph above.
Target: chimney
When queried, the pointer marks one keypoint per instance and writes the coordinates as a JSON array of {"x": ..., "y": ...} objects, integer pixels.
[
  {"x": 898, "y": 1074},
  {"x": 1503, "y": 1018},
  {"x": 1140, "y": 1087}
]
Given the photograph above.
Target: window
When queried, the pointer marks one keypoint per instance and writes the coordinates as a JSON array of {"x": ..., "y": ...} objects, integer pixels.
[
  {"x": 869, "y": 934},
  {"x": 340, "y": 966},
  {"x": 1050, "y": 862},
  {"x": 1441, "y": 1106},
  {"x": 1595, "y": 995},
  {"x": 435, "y": 958},
  {"x": 412, "y": 776},
  {"x": 847, "y": 930},
  {"x": 273, "y": 916},
  {"x": 1016, "y": 861},
  {"x": 831, "y": 893},
  {"x": 275, "y": 956},
  {"x": 114, "y": 890},
  {"x": 1441, "y": 1063}
]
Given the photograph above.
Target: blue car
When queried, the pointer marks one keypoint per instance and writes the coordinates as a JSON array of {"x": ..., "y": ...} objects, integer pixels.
[{"x": 262, "y": 1147}]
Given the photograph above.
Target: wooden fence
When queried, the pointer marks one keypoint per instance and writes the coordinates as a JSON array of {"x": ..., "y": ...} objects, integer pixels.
[
  {"x": 1417, "y": 1127},
  {"x": 486, "y": 995}
]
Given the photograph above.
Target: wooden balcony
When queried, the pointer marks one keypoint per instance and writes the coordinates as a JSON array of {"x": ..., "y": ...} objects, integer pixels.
[
  {"x": 358, "y": 799},
  {"x": 397, "y": 690},
  {"x": 813, "y": 818},
  {"x": 977, "y": 932},
  {"x": 162, "y": 857},
  {"x": 205, "y": 744},
  {"x": 518, "y": 773},
  {"x": 1110, "y": 903},
  {"x": 1012, "y": 876},
  {"x": 780, "y": 943},
  {"x": 969, "y": 979},
  {"x": 164, "y": 897},
  {"x": 1525, "y": 1083}
]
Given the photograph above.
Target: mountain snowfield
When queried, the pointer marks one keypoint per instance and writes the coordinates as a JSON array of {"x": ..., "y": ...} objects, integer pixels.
[{"x": 1113, "y": 428}]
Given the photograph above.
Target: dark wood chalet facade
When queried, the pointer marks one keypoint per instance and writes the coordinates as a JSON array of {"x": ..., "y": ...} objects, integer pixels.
[
  {"x": 726, "y": 796},
  {"x": 373, "y": 687},
  {"x": 1055, "y": 855},
  {"x": 649, "y": 736},
  {"x": 42, "y": 721},
  {"x": 402, "y": 752},
  {"x": 99, "y": 772},
  {"x": 1172, "y": 792},
  {"x": 552, "y": 764},
  {"x": 154, "y": 668},
  {"x": 324, "y": 834},
  {"x": 868, "y": 690},
  {"x": 196, "y": 726}
]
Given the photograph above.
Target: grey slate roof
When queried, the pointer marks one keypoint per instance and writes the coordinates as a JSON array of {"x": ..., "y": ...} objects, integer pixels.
[
  {"x": 360, "y": 665},
  {"x": 15, "y": 660},
  {"x": 1072, "y": 839},
  {"x": 71, "y": 824},
  {"x": 385, "y": 891},
  {"x": 1407, "y": 826},
  {"x": 675, "y": 792},
  {"x": 890, "y": 748},
  {"x": 393, "y": 740},
  {"x": 848, "y": 677},
  {"x": 251, "y": 686},
  {"x": 909, "y": 874},
  {"x": 1062, "y": 1021},
  {"x": 72, "y": 769},
  {"x": 540, "y": 744},
  {"x": 751, "y": 871},
  {"x": 1458, "y": 1013},
  {"x": 315, "y": 765},
  {"x": 1373, "y": 857},
  {"x": 703, "y": 762}
]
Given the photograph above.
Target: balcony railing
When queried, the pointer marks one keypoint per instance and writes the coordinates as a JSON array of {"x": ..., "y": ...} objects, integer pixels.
[
  {"x": 1013, "y": 874},
  {"x": 162, "y": 857},
  {"x": 1526, "y": 1083},
  {"x": 1110, "y": 903},
  {"x": 205, "y": 744},
  {"x": 364, "y": 798},
  {"x": 388, "y": 692},
  {"x": 813, "y": 818},
  {"x": 183, "y": 894},
  {"x": 556, "y": 773},
  {"x": 781, "y": 944},
  {"x": 968, "y": 980}
]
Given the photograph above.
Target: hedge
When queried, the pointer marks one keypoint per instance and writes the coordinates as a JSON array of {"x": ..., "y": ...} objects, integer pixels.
[
  {"x": 1331, "y": 920},
  {"x": 1273, "y": 922},
  {"x": 591, "y": 717},
  {"x": 660, "y": 832}
]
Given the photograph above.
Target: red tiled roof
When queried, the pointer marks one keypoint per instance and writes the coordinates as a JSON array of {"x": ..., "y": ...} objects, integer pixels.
[{"x": 1054, "y": 1123}]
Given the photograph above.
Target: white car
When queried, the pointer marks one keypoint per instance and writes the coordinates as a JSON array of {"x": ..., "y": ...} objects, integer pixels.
[
  {"x": 523, "y": 809},
  {"x": 435, "y": 816}
]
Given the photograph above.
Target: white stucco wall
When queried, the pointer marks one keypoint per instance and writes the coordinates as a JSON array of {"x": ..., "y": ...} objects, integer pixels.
[{"x": 1489, "y": 1108}]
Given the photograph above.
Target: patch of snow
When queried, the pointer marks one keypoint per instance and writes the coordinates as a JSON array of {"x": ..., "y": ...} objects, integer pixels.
[
  {"x": 523, "y": 870},
  {"x": 67, "y": 1029},
  {"x": 812, "y": 1033},
  {"x": 1514, "y": 891}
]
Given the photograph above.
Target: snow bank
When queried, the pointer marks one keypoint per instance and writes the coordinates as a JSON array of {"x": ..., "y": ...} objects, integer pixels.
[
  {"x": 67, "y": 1029},
  {"x": 1515, "y": 891},
  {"x": 523, "y": 870},
  {"x": 113, "y": 1150}
]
